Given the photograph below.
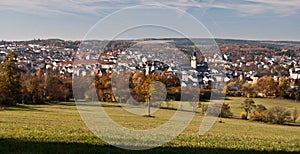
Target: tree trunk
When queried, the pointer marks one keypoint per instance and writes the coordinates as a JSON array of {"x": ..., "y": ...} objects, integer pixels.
[{"x": 149, "y": 108}]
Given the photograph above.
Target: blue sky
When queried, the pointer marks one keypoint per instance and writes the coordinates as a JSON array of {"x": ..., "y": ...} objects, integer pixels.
[{"x": 72, "y": 19}]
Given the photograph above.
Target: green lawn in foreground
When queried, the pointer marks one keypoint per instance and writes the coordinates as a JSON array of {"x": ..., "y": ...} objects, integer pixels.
[{"x": 58, "y": 129}]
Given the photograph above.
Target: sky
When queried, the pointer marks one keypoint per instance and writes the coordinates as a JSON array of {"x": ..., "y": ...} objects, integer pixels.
[{"x": 74, "y": 19}]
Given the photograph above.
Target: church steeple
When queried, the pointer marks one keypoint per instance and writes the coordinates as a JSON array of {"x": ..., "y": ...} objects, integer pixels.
[{"x": 194, "y": 61}]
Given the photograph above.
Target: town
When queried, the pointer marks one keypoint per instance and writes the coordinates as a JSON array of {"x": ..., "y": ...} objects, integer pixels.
[{"x": 239, "y": 63}]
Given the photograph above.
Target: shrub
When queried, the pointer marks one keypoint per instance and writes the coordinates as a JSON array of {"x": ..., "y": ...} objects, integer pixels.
[
  {"x": 234, "y": 93},
  {"x": 259, "y": 116},
  {"x": 260, "y": 113},
  {"x": 278, "y": 115},
  {"x": 243, "y": 115},
  {"x": 295, "y": 115},
  {"x": 260, "y": 108},
  {"x": 225, "y": 111}
]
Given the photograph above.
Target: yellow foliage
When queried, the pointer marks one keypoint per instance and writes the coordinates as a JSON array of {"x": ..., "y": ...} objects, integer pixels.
[{"x": 243, "y": 115}]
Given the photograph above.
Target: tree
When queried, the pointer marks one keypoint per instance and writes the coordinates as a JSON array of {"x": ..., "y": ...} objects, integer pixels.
[
  {"x": 10, "y": 85},
  {"x": 248, "y": 105},
  {"x": 135, "y": 84},
  {"x": 150, "y": 89},
  {"x": 103, "y": 87},
  {"x": 283, "y": 87},
  {"x": 171, "y": 80},
  {"x": 56, "y": 89},
  {"x": 32, "y": 89},
  {"x": 120, "y": 86},
  {"x": 81, "y": 85},
  {"x": 267, "y": 85},
  {"x": 249, "y": 90}
]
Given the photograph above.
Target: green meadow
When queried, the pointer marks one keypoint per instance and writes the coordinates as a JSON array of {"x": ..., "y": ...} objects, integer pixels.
[{"x": 58, "y": 128}]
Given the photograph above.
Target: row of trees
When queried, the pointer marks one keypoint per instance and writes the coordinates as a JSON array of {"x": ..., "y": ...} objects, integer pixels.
[
  {"x": 120, "y": 87},
  {"x": 266, "y": 86},
  {"x": 34, "y": 88},
  {"x": 37, "y": 89},
  {"x": 125, "y": 86}
]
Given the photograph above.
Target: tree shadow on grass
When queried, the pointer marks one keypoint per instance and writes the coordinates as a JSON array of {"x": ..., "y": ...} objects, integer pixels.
[
  {"x": 21, "y": 107},
  {"x": 100, "y": 105},
  {"x": 20, "y": 146},
  {"x": 227, "y": 98},
  {"x": 62, "y": 103}
]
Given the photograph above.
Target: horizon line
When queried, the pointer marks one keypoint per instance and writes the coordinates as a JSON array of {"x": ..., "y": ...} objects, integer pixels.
[{"x": 134, "y": 39}]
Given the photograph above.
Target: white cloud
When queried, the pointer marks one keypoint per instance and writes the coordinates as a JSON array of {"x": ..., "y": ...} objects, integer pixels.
[
  {"x": 104, "y": 7},
  {"x": 252, "y": 7},
  {"x": 89, "y": 6},
  {"x": 48, "y": 7}
]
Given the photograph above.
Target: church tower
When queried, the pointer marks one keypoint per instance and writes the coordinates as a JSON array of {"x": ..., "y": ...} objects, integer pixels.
[{"x": 194, "y": 61}]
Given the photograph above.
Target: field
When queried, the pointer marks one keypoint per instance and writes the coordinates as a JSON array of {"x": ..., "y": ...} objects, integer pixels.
[
  {"x": 268, "y": 103},
  {"x": 58, "y": 128}
]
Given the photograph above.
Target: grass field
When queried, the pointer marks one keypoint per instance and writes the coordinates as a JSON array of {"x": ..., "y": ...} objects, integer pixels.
[
  {"x": 58, "y": 128},
  {"x": 236, "y": 101}
]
